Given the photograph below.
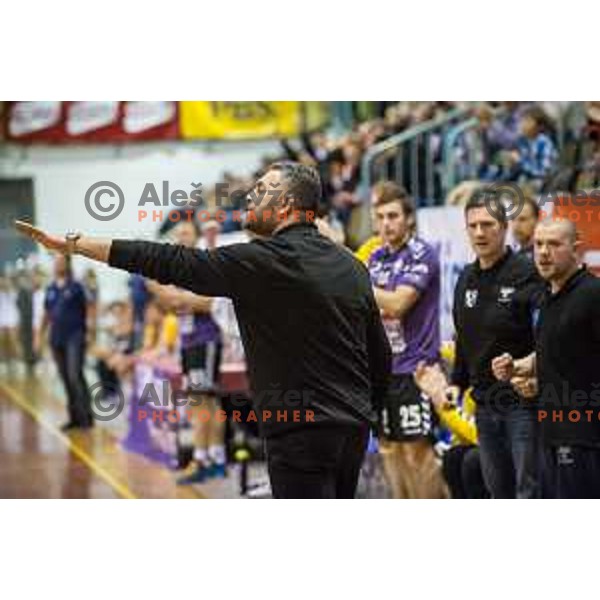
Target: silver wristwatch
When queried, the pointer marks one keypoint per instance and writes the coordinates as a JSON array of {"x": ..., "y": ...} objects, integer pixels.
[{"x": 72, "y": 238}]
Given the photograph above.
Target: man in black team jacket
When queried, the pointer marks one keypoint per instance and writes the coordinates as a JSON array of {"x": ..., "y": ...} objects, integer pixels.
[
  {"x": 318, "y": 355},
  {"x": 492, "y": 315},
  {"x": 566, "y": 364}
]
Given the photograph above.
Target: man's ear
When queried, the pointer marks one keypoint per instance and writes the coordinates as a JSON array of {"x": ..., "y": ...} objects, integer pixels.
[{"x": 287, "y": 202}]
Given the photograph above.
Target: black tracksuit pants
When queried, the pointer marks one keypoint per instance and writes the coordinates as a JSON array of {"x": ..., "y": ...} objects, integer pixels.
[{"x": 323, "y": 461}]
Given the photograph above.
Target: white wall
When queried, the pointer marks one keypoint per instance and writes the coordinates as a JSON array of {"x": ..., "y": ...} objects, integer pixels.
[{"x": 62, "y": 175}]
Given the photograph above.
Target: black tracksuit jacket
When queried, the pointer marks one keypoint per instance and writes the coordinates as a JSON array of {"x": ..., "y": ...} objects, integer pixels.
[{"x": 309, "y": 322}]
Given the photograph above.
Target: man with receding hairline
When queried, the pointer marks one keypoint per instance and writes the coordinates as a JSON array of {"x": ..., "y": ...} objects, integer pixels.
[
  {"x": 566, "y": 365},
  {"x": 309, "y": 323}
]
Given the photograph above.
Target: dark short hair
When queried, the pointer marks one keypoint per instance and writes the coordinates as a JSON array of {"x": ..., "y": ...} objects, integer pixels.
[
  {"x": 303, "y": 181},
  {"x": 388, "y": 191},
  {"x": 491, "y": 201},
  {"x": 530, "y": 200}
]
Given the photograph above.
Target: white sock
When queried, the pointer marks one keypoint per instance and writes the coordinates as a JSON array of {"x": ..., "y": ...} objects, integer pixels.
[
  {"x": 201, "y": 455},
  {"x": 217, "y": 454}
]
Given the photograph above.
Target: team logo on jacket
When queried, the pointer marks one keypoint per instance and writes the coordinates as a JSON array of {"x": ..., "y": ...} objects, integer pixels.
[
  {"x": 471, "y": 298},
  {"x": 505, "y": 294}
]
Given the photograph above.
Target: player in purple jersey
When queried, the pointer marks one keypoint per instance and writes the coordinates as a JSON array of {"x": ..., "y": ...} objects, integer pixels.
[
  {"x": 201, "y": 350},
  {"x": 405, "y": 273}
]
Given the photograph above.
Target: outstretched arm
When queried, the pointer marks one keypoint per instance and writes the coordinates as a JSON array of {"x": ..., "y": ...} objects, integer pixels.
[
  {"x": 196, "y": 270},
  {"x": 96, "y": 249}
]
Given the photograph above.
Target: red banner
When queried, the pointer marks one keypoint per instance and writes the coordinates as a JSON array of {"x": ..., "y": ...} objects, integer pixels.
[
  {"x": 90, "y": 121},
  {"x": 34, "y": 121}
]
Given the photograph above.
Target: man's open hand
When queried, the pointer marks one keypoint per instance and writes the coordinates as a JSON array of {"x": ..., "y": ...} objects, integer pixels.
[{"x": 51, "y": 242}]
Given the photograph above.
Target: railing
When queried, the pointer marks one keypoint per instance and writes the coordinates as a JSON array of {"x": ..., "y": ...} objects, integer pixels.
[
  {"x": 469, "y": 165},
  {"x": 451, "y": 175},
  {"x": 469, "y": 162},
  {"x": 410, "y": 158}
]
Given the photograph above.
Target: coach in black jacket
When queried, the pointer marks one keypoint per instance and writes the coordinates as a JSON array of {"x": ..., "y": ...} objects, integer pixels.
[
  {"x": 493, "y": 314},
  {"x": 317, "y": 353}
]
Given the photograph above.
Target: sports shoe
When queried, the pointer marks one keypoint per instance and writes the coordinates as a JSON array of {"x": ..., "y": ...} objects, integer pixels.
[
  {"x": 199, "y": 475},
  {"x": 217, "y": 471}
]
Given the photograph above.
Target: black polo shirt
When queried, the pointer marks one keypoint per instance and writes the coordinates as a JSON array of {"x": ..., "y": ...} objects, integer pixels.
[
  {"x": 309, "y": 322},
  {"x": 493, "y": 314},
  {"x": 568, "y": 362}
]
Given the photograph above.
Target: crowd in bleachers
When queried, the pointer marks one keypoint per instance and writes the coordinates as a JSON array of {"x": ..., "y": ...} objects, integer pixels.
[
  {"x": 338, "y": 158},
  {"x": 543, "y": 146}
]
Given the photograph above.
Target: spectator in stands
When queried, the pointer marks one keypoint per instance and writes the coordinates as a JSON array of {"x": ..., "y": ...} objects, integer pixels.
[
  {"x": 535, "y": 156},
  {"x": 588, "y": 148},
  {"x": 491, "y": 150},
  {"x": 318, "y": 151},
  {"x": 339, "y": 160},
  {"x": 396, "y": 120},
  {"x": 523, "y": 225},
  {"x": 66, "y": 316},
  {"x": 487, "y": 143},
  {"x": 344, "y": 171},
  {"x": 372, "y": 132},
  {"x": 504, "y": 129}
]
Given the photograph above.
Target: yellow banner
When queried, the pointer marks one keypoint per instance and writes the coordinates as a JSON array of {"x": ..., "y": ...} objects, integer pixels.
[
  {"x": 238, "y": 120},
  {"x": 316, "y": 114}
]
